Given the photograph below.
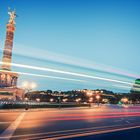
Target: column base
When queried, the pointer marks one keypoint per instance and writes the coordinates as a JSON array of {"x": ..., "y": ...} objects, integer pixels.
[{"x": 8, "y": 79}]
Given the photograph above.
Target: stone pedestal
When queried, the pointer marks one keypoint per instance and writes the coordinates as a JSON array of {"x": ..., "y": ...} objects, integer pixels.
[
  {"x": 14, "y": 93},
  {"x": 8, "y": 79},
  {"x": 8, "y": 84}
]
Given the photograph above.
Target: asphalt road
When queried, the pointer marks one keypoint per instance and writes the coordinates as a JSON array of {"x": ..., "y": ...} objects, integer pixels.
[{"x": 106, "y": 122}]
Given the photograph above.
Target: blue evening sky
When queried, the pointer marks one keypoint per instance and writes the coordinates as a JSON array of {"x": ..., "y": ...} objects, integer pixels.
[{"x": 93, "y": 37}]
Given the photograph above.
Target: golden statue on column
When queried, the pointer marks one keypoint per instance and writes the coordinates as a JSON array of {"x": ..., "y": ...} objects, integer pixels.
[
  {"x": 8, "y": 79},
  {"x": 12, "y": 17}
]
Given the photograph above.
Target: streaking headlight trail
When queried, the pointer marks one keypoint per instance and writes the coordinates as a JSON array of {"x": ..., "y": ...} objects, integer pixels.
[
  {"x": 46, "y": 76},
  {"x": 67, "y": 73}
]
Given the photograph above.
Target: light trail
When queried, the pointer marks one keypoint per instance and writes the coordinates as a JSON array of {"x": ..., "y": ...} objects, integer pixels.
[
  {"x": 60, "y": 58},
  {"x": 54, "y": 77},
  {"x": 66, "y": 136},
  {"x": 121, "y": 86},
  {"x": 92, "y": 117},
  {"x": 109, "y": 114},
  {"x": 44, "y": 76},
  {"x": 36, "y": 135},
  {"x": 66, "y": 72},
  {"x": 83, "y": 130}
]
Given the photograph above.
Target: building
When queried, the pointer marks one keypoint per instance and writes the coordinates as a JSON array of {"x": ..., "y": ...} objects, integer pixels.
[{"x": 8, "y": 79}]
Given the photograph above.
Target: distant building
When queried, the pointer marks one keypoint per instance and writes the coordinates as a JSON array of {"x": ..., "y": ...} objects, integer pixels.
[{"x": 136, "y": 87}]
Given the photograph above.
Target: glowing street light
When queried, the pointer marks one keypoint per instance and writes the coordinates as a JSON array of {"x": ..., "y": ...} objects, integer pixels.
[
  {"x": 124, "y": 100},
  {"x": 101, "y": 91},
  {"x": 26, "y": 99},
  {"x": 78, "y": 100},
  {"x": 38, "y": 100},
  {"x": 98, "y": 97},
  {"x": 105, "y": 100},
  {"x": 90, "y": 99},
  {"x": 51, "y": 100},
  {"x": 25, "y": 84},
  {"x": 33, "y": 85},
  {"x": 89, "y": 94},
  {"x": 65, "y": 100},
  {"x": 28, "y": 87}
]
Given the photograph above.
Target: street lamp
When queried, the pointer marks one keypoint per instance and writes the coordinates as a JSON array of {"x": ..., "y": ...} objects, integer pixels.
[
  {"x": 101, "y": 91},
  {"x": 65, "y": 100},
  {"x": 124, "y": 100},
  {"x": 78, "y": 100},
  {"x": 26, "y": 99},
  {"x": 90, "y": 99},
  {"x": 105, "y": 100},
  {"x": 98, "y": 97},
  {"x": 28, "y": 87},
  {"x": 33, "y": 85},
  {"x": 89, "y": 94},
  {"x": 59, "y": 99},
  {"x": 38, "y": 100},
  {"x": 51, "y": 100}
]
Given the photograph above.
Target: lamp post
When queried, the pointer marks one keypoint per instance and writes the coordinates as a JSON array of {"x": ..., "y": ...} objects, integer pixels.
[
  {"x": 78, "y": 100},
  {"x": 38, "y": 101},
  {"x": 59, "y": 100},
  {"x": 98, "y": 98},
  {"x": 90, "y": 101},
  {"x": 89, "y": 94},
  {"x": 28, "y": 87}
]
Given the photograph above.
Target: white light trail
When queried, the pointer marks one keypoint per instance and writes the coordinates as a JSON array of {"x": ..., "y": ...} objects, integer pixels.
[
  {"x": 67, "y": 72},
  {"x": 44, "y": 76},
  {"x": 121, "y": 86},
  {"x": 65, "y": 59}
]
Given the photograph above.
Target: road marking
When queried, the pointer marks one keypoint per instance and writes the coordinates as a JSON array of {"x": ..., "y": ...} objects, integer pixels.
[
  {"x": 7, "y": 134},
  {"x": 91, "y": 133},
  {"x": 4, "y": 122},
  {"x": 117, "y": 120},
  {"x": 64, "y": 131},
  {"x": 132, "y": 119},
  {"x": 127, "y": 121}
]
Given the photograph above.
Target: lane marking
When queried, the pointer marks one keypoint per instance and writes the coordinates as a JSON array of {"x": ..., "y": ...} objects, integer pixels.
[
  {"x": 117, "y": 120},
  {"x": 7, "y": 134},
  {"x": 54, "y": 134},
  {"x": 64, "y": 131},
  {"x": 127, "y": 121},
  {"x": 131, "y": 119},
  {"x": 4, "y": 122},
  {"x": 92, "y": 133}
]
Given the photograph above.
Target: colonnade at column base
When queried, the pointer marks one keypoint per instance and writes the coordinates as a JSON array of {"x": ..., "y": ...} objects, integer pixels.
[{"x": 8, "y": 86}]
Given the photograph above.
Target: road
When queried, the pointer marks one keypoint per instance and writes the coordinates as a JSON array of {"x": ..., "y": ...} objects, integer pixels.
[{"x": 105, "y": 122}]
